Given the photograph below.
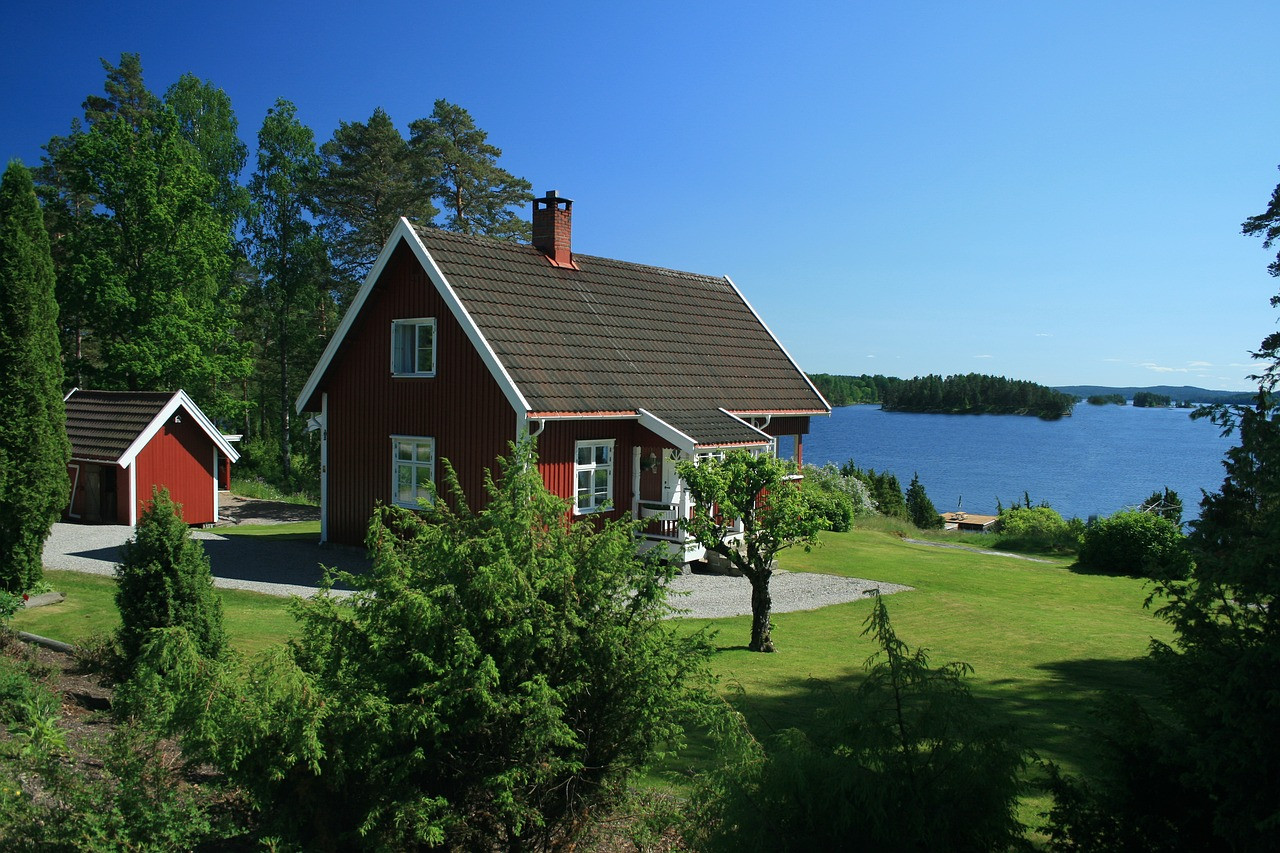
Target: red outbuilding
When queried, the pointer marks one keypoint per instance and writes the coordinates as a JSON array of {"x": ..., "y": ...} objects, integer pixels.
[{"x": 124, "y": 444}]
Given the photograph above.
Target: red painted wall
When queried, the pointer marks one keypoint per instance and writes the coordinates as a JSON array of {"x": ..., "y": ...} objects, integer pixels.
[
  {"x": 179, "y": 458},
  {"x": 557, "y": 446},
  {"x": 461, "y": 407}
]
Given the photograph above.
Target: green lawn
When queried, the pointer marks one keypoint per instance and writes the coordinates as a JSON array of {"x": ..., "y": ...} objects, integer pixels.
[
  {"x": 253, "y": 621},
  {"x": 1043, "y": 640}
]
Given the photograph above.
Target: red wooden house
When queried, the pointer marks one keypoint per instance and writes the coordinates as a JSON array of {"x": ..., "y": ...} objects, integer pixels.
[
  {"x": 455, "y": 345},
  {"x": 125, "y": 443}
]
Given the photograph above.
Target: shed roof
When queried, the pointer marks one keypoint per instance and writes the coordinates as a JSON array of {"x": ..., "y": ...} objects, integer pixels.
[{"x": 113, "y": 426}]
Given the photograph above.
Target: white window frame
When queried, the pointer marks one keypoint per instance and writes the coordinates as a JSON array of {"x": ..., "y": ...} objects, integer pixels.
[
  {"x": 401, "y": 327},
  {"x": 413, "y": 465},
  {"x": 600, "y": 499}
]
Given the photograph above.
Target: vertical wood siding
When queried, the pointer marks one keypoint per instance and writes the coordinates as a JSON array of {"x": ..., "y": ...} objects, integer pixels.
[
  {"x": 461, "y": 407},
  {"x": 179, "y": 458}
]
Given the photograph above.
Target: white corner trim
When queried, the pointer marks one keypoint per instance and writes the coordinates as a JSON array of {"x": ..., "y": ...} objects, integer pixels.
[
  {"x": 133, "y": 497},
  {"x": 765, "y": 326},
  {"x": 666, "y": 431},
  {"x": 179, "y": 400}
]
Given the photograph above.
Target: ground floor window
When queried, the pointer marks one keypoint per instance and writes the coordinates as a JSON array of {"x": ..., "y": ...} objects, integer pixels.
[
  {"x": 593, "y": 472},
  {"x": 413, "y": 472}
]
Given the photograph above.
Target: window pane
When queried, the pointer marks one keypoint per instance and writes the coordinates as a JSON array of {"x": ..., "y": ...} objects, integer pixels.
[
  {"x": 404, "y": 451},
  {"x": 601, "y": 480},
  {"x": 584, "y": 481},
  {"x": 404, "y": 485},
  {"x": 422, "y": 451},
  {"x": 425, "y": 334},
  {"x": 584, "y": 454},
  {"x": 423, "y": 480},
  {"x": 602, "y": 454},
  {"x": 402, "y": 348}
]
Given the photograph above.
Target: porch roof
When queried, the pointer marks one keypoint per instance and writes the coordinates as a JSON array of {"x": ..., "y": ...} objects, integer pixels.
[{"x": 691, "y": 430}]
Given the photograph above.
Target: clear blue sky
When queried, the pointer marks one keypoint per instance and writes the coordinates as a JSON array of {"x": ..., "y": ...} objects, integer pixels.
[{"x": 1047, "y": 191}]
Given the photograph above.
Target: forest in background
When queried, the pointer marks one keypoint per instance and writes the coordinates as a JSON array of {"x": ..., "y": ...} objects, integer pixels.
[{"x": 184, "y": 262}]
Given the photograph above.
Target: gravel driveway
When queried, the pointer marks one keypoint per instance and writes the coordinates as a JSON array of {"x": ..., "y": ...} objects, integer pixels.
[{"x": 293, "y": 567}]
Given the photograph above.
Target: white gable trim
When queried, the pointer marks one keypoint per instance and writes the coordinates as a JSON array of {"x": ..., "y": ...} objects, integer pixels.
[
  {"x": 179, "y": 400},
  {"x": 404, "y": 231},
  {"x": 765, "y": 326}
]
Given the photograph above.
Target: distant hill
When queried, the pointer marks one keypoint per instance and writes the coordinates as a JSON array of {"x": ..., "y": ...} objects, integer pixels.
[{"x": 1177, "y": 393}]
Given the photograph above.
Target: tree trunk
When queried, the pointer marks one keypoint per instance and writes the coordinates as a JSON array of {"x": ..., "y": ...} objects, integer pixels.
[{"x": 761, "y": 606}]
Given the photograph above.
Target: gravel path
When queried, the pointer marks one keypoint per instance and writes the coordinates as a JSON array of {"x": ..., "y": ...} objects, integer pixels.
[
  {"x": 715, "y": 596},
  {"x": 293, "y": 567}
]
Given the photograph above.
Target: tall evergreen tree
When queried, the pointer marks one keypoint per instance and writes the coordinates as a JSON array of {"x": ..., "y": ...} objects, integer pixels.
[
  {"x": 367, "y": 182},
  {"x": 460, "y": 169},
  {"x": 33, "y": 440},
  {"x": 289, "y": 257}
]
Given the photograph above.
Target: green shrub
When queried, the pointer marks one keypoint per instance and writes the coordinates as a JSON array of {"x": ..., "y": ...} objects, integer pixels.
[
  {"x": 163, "y": 581},
  {"x": 1139, "y": 544},
  {"x": 1038, "y": 528},
  {"x": 494, "y": 680},
  {"x": 833, "y": 508}
]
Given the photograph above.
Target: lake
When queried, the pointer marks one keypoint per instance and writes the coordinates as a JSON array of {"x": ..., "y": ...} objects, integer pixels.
[{"x": 1099, "y": 460}]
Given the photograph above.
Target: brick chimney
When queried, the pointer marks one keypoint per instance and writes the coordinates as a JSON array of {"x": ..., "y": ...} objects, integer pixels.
[{"x": 553, "y": 228}]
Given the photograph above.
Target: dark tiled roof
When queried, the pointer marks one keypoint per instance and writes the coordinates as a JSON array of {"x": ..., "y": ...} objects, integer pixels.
[
  {"x": 712, "y": 427},
  {"x": 616, "y": 336},
  {"x": 102, "y": 424}
]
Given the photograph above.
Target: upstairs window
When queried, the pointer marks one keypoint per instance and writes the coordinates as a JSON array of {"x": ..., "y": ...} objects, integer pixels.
[
  {"x": 413, "y": 470},
  {"x": 413, "y": 347},
  {"x": 593, "y": 472}
]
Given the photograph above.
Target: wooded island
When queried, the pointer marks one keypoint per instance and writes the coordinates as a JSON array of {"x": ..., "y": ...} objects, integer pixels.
[{"x": 967, "y": 394}]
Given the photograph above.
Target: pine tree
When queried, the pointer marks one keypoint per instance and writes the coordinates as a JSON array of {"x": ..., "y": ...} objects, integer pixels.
[
  {"x": 33, "y": 441},
  {"x": 921, "y": 510},
  {"x": 367, "y": 182},
  {"x": 460, "y": 169}
]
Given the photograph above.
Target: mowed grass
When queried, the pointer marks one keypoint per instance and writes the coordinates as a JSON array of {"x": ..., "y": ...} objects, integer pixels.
[{"x": 1044, "y": 641}]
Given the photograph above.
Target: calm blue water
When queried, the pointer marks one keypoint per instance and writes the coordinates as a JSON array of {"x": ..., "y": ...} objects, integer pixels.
[{"x": 1102, "y": 459}]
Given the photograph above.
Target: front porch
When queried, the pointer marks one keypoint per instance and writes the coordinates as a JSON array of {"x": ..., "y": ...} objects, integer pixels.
[{"x": 661, "y": 500}]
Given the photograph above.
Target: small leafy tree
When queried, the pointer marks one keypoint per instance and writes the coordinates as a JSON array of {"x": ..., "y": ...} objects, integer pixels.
[
  {"x": 164, "y": 581},
  {"x": 33, "y": 441},
  {"x": 756, "y": 491},
  {"x": 909, "y": 761},
  {"x": 920, "y": 509},
  {"x": 1135, "y": 543}
]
